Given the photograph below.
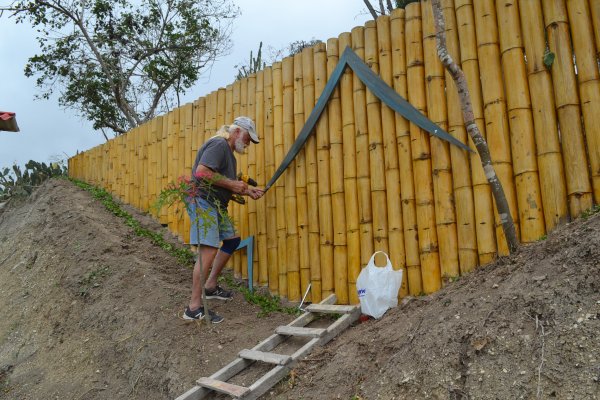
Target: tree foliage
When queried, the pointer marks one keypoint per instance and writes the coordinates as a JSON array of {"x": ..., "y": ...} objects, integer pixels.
[
  {"x": 120, "y": 63},
  {"x": 17, "y": 182}
]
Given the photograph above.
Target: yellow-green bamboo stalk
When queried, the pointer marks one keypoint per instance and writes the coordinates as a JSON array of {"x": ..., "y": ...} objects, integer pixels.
[
  {"x": 251, "y": 205},
  {"x": 239, "y": 257},
  {"x": 243, "y": 167},
  {"x": 569, "y": 110},
  {"x": 312, "y": 192},
  {"x": 484, "y": 209},
  {"x": 582, "y": 34},
  {"x": 264, "y": 258},
  {"x": 440, "y": 150},
  {"x": 362, "y": 154},
  {"x": 221, "y": 94},
  {"x": 595, "y": 12},
  {"x": 350, "y": 185},
  {"x": 407, "y": 191},
  {"x": 421, "y": 153},
  {"x": 278, "y": 193},
  {"x": 301, "y": 194},
  {"x": 549, "y": 156},
  {"x": 521, "y": 123},
  {"x": 336, "y": 165}
]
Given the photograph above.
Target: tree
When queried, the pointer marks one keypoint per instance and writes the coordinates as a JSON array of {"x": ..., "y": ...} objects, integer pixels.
[
  {"x": 502, "y": 207},
  {"x": 120, "y": 64}
]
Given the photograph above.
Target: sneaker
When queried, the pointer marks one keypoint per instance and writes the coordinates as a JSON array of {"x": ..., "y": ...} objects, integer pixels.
[
  {"x": 219, "y": 293},
  {"x": 198, "y": 314}
]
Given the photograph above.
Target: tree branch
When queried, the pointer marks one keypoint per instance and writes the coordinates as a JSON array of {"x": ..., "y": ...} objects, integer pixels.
[{"x": 371, "y": 9}]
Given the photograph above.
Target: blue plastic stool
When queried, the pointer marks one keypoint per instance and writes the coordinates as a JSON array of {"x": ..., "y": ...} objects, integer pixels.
[{"x": 249, "y": 244}]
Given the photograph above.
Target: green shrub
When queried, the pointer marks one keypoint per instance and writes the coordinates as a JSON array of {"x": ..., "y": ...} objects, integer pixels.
[{"x": 17, "y": 182}]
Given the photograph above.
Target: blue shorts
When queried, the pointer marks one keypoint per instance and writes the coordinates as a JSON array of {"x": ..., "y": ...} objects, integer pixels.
[{"x": 213, "y": 227}]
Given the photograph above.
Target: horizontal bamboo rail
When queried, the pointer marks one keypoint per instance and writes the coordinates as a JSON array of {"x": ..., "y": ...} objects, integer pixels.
[{"x": 368, "y": 179}]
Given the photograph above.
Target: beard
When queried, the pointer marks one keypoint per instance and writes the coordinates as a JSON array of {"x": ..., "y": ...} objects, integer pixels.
[{"x": 239, "y": 146}]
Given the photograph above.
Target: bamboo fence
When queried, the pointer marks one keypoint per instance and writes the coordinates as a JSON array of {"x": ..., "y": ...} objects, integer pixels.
[{"x": 368, "y": 179}]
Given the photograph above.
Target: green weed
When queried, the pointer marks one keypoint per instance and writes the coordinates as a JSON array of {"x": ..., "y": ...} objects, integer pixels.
[
  {"x": 591, "y": 211},
  {"x": 92, "y": 280}
]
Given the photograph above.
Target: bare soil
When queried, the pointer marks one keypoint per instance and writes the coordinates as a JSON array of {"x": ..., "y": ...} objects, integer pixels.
[{"x": 91, "y": 311}]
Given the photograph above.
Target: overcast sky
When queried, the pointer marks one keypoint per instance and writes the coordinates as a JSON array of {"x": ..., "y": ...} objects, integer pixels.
[{"x": 49, "y": 132}]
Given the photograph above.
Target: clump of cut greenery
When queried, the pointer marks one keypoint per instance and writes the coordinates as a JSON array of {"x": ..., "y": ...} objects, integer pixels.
[
  {"x": 17, "y": 182},
  {"x": 184, "y": 256}
]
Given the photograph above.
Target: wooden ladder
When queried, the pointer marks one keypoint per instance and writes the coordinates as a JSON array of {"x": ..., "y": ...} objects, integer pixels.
[{"x": 281, "y": 363}]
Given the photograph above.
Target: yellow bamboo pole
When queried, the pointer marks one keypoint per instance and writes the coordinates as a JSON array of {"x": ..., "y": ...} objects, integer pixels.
[
  {"x": 243, "y": 167},
  {"x": 567, "y": 104},
  {"x": 239, "y": 257},
  {"x": 595, "y": 11},
  {"x": 484, "y": 209},
  {"x": 582, "y": 34},
  {"x": 264, "y": 259},
  {"x": 152, "y": 164},
  {"x": 233, "y": 206},
  {"x": 301, "y": 196},
  {"x": 440, "y": 150},
  {"x": 350, "y": 188},
  {"x": 392, "y": 172},
  {"x": 277, "y": 199},
  {"x": 365, "y": 209},
  {"x": 145, "y": 167},
  {"x": 336, "y": 165},
  {"x": 251, "y": 205},
  {"x": 133, "y": 165},
  {"x": 495, "y": 110},
  {"x": 520, "y": 116},
  {"x": 407, "y": 191},
  {"x": 286, "y": 103},
  {"x": 189, "y": 158},
  {"x": 461, "y": 174},
  {"x": 324, "y": 181},
  {"x": 421, "y": 153},
  {"x": 375, "y": 140},
  {"x": 221, "y": 94},
  {"x": 549, "y": 156},
  {"x": 275, "y": 214},
  {"x": 312, "y": 192}
]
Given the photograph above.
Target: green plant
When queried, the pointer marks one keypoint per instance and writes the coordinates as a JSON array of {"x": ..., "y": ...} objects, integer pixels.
[
  {"x": 590, "y": 211},
  {"x": 549, "y": 58},
  {"x": 92, "y": 280},
  {"x": 543, "y": 237},
  {"x": 254, "y": 65},
  {"x": 17, "y": 182}
]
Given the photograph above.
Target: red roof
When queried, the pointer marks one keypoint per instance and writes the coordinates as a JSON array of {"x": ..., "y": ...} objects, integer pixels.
[{"x": 8, "y": 121}]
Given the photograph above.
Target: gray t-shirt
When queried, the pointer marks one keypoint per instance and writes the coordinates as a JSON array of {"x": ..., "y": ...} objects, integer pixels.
[{"x": 218, "y": 156}]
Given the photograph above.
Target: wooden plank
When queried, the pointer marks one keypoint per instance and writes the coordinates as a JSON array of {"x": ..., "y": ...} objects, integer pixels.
[
  {"x": 339, "y": 325},
  {"x": 304, "y": 350},
  {"x": 330, "y": 309},
  {"x": 301, "y": 332},
  {"x": 271, "y": 358},
  {"x": 265, "y": 383},
  {"x": 223, "y": 387}
]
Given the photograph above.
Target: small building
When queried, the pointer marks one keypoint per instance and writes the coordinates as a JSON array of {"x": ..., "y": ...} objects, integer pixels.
[{"x": 8, "y": 121}]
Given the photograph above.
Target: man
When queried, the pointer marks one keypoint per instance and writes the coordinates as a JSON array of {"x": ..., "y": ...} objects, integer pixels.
[{"x": 215, "y": 173}]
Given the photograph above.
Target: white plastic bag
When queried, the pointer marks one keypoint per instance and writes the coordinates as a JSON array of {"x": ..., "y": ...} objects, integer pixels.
[{"x": 378, "y": 287}]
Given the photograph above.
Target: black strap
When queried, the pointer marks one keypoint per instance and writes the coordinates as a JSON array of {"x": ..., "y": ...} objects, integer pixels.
[{"x": 380, "y": 89}]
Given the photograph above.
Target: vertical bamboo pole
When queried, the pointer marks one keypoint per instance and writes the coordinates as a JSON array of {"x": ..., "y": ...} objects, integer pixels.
[
  {"x": 243, "y": 167},
  {"x": 336, "y": 165},
  {"x": 595, "y": 11},
  {"x": 233, "y": 206},
  {"x": 440, "y": 150},
  {"x": 549, "y": 156},
  {"x": 278, "y": 200},
  {"x": 308, "y": 72},
  {"x": 582, "y": 34},
  {"x": 350, "y": 187},
  {"x": 392, "y": 172},
  {"x": 461, "y": 174},
  {"x": 301, "y": 194},
  {"x": 133, "y": 166},
  {"x": 251, "y": 205},
  {"x": 239, "y": 258},
  {"x": 324, "y": 181},
  {"x": 260, "y": 206},
  {"x": 286, "y": 103},
  {"x": 275, "y": 215},
  {"x": 154, "y": 155},
  {"x": 362, "y": 154},
  {"x": 145, "y": 169},
  {"x": 520, "y": 116},
  {"x": 376, "y": 154},
  {"x": 421, "y": 153},
  {"x": 221, "y": 94},
  {"x": 407, "y": 191},
  {"x": 484, "y": 209},
  {"x": 567, "y": 103},
  {"x": 495, "y": 110},
  {"x": 189, "y": 158}
]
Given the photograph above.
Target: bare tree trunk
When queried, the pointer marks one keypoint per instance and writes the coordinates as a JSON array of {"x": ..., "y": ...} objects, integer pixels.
[
  {"x": 381, "y": 8},
  {"x": 390, "y": 7},
  {"x": 371, "y": 9},
  {"x": 508, "y": 225}
]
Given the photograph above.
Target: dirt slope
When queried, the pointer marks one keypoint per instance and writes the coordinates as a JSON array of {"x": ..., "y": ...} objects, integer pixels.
[{"x": 91, "y": 311}]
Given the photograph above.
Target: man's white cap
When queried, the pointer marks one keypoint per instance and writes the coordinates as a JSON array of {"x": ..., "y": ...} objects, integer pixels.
[{"x": 247, "y": 124}]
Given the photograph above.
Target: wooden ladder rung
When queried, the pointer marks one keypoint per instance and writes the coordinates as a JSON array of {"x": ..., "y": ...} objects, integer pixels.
[
  {"x": 302, "y": 332},
  {"x": 271, "y": 358},
  {"x": 330, "y": 309},
  {"x": 223, "y": 387}
]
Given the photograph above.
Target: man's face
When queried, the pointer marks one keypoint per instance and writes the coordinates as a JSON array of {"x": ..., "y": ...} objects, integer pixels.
[{"x": 242, "y": 141}]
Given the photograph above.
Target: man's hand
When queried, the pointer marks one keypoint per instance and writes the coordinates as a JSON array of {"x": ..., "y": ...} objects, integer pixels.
[
  {"x": 238, "y": 187},
  {"x": 255, "y": 193}
]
